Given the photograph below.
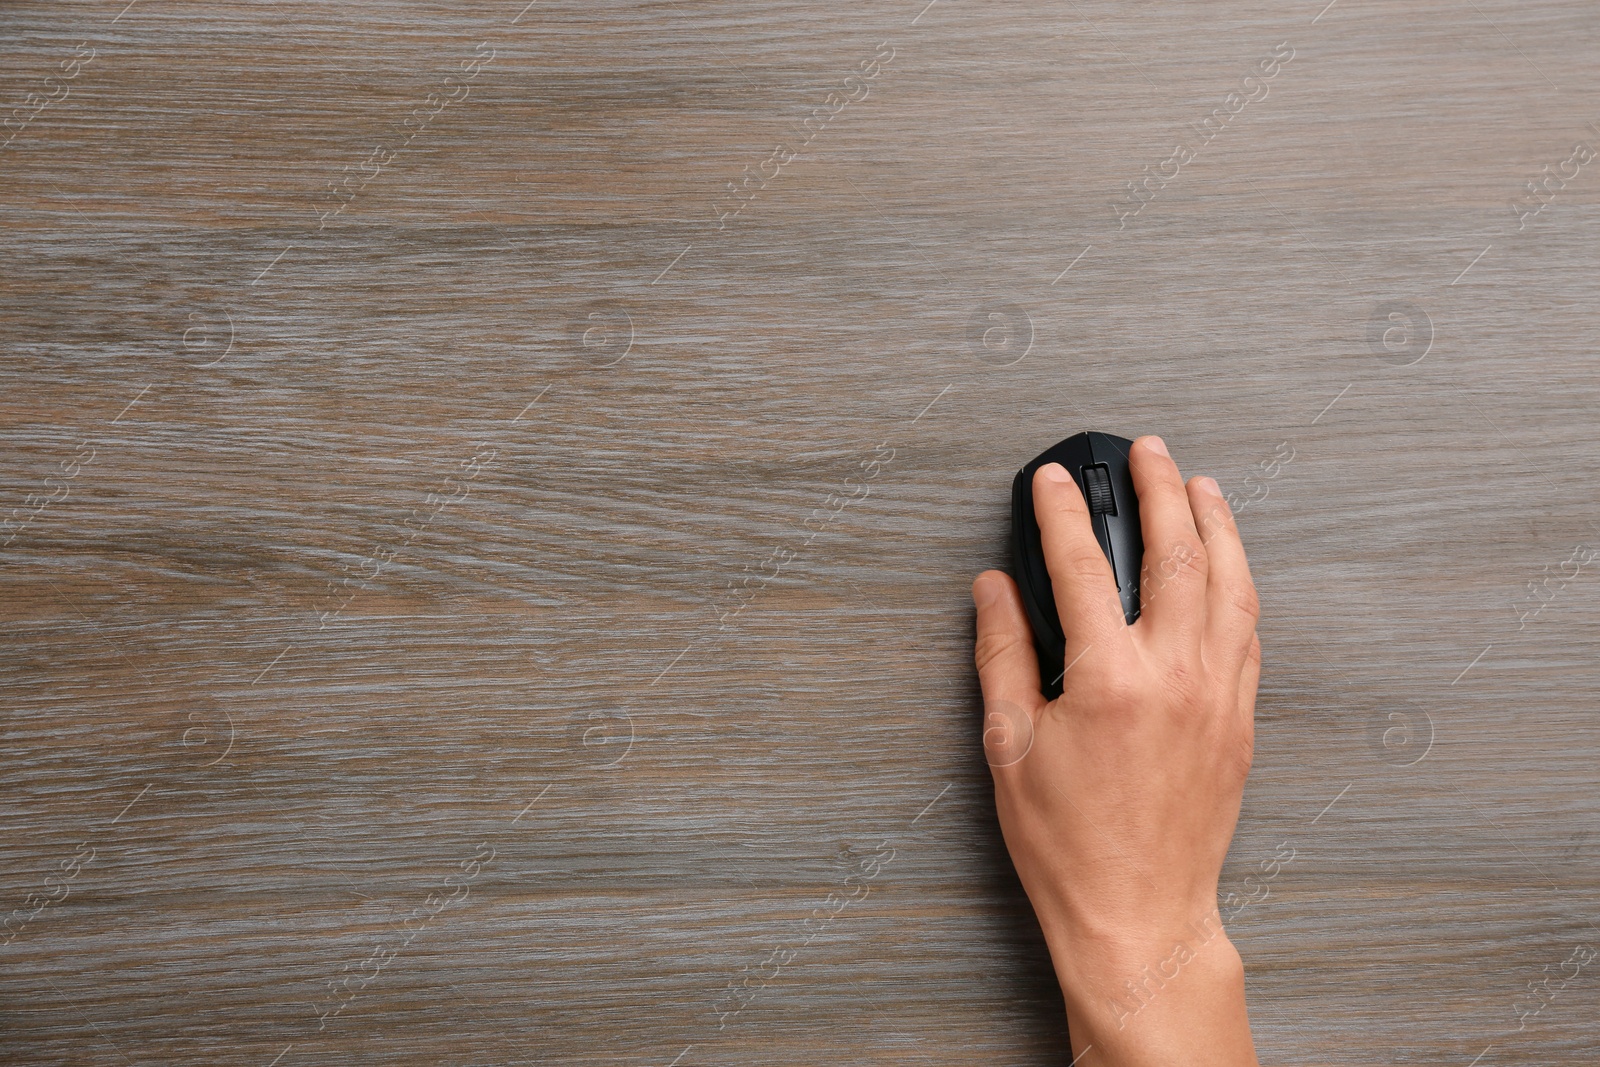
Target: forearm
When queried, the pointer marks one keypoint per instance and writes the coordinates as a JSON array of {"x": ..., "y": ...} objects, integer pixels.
[{"x": 1154, "y": 999}]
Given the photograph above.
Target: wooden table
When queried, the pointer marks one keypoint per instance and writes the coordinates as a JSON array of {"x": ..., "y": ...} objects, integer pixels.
[{"x": 492, "y": 492}]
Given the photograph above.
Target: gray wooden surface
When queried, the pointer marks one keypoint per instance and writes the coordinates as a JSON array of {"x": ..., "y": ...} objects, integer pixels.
[{"x": 479, "y": 589}]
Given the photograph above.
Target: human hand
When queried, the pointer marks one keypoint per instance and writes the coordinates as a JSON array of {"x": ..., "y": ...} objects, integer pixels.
[{"x": 1118, "y": 799}]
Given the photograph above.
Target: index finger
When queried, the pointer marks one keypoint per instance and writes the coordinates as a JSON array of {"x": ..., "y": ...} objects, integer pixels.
[{"x": 1080, "y": 575}]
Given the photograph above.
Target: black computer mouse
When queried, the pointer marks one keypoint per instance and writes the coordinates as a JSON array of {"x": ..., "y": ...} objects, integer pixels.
[{"x": 1098, "y": 462}]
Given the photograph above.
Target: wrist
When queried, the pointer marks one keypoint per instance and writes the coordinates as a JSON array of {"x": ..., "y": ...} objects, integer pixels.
[
  {"x": 1147, "y": 994},
  {"x": 1116, "y": 960}
]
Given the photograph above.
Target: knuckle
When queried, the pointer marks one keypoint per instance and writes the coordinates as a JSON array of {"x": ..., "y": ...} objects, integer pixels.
[
  {"x": 990, "y": 647},
  {"x": 1185, "y": 560},
  {"x": 1244, "y": 752},
  {"x": 1069, "y": 498},
  {"x": 1245, "y": 600},
  {"x": 1189, "y": 556},
  {"x": 1118, "y": 693},
  {"x": 1061, "y": 497},
  {"x": 1184, "y": 679},
  {"x": 1081, "y": 565}
]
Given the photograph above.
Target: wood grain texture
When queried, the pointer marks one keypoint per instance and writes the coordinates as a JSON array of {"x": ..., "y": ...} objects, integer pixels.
[{"x": 417, "y": 471}]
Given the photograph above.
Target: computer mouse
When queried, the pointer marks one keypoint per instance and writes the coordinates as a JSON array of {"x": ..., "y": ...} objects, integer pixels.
[{"x": 1098, "y": 462}]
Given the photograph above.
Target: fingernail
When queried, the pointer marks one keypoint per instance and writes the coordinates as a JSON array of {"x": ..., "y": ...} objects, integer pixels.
[
  {"x": 985, "y": 591},
  {"x": 1055, "y": 472},
  {"x": 1156, "y": 444},
  {"x": 1209, "y": 485}
]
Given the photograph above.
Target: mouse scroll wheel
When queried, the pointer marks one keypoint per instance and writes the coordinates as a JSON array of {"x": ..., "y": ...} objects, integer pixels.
[{"x": 1097, "y": 490}]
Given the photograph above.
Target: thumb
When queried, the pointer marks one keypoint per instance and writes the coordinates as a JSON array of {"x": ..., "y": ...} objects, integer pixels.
[{"x": 1008, "y": 668}]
